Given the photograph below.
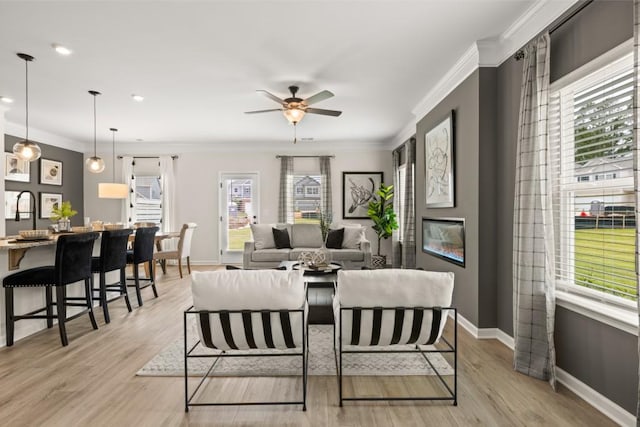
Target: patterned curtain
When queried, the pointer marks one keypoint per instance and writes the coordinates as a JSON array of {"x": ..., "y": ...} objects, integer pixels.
[
  {"x": 129, "y": 179},
  {"x": 326, "y": 206},
  {"x": 409, "y": 234},
  {"x": 636, "y": 154},
  {"x": 533, "y": 239},
  {"x": 285, "y": 201},
  {"x": 396, "y": 248}
]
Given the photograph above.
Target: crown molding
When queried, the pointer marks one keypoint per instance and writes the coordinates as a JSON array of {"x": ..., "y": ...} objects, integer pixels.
[
  {"x": 45, "y": 137},
  {"x": 407, "y": 132}
]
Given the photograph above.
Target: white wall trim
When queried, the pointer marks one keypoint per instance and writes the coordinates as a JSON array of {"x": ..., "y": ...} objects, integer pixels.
[
  {"x": 45, "y": 137},
  {"x": 595, "y": 399},
  {"x": 407, "y": 132},
  {"x": 211, "y": 262}
]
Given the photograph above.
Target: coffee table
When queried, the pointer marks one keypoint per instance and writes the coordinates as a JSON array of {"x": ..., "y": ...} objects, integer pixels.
[{"x": 320, "y": 290}]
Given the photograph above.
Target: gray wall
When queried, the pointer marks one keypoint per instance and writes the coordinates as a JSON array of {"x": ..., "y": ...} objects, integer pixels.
[
  {"x": 603, "y": 357},
  {"x": 465, "y": 101},
  {"x": 71, "y": 189}
]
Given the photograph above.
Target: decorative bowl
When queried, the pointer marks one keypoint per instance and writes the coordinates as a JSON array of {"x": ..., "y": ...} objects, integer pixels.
[
  {"x": 34, "y": 234},
  {"x": 113, "y": 226},
  {"x": 81, "y": 229}
]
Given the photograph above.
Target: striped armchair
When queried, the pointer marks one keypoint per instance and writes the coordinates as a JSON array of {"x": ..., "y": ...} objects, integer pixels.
[
  {"x": 240, "y": 311},
  {"x": 392, "y": 307}
]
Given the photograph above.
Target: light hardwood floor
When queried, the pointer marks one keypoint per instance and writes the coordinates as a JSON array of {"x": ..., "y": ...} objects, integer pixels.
[{"x": 93, "y": 382}]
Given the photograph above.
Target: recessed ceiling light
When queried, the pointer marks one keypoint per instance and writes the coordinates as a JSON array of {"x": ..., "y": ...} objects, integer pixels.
[
  {"x": 62, "y": 50},
  {"x": 138, "y": 98},
  {"x": 6, "y": 100}
]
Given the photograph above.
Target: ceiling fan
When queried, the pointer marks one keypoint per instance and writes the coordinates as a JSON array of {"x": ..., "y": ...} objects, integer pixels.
[{"x": 295, "y": 108}]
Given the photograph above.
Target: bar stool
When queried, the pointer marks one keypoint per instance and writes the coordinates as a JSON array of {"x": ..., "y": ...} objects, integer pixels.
[
  {"x": 72, "y": 264},
  {"x": 113, "y": 256},
  {"x": 143, "y": 253}
]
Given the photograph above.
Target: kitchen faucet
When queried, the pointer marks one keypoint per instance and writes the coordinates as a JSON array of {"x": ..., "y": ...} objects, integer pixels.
[{"x": 33, "y": 209}]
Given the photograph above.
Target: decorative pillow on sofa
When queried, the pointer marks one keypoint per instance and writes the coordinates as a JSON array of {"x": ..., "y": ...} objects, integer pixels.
[
  {"x": 281, "y": 238},
  {"x": 306, "y": 236},
  {"x": 263, "y": 236},
  {"x": 334, "y": 238},
  {"x": 353, "y": 235}
]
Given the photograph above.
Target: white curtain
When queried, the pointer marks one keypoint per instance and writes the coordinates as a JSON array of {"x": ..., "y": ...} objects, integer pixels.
[
  {"x": 409, "y": 220},
  {"x": 129, "y": 179},
  {"x": 636, "y": 153},
  {"x": 285, "y": 201},
  {"x": 167, "y": 178},
  {"x": 533, "y": 239}
]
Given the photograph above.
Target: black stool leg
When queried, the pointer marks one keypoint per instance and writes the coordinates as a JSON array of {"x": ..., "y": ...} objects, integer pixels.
[
  {"x": 136, "y": 279},
  {"x": 152, "y": 278},
  {"x": 103, "y": 297},
  {"x": 88, "y": 286},
  {"x": 61, "y": 295},
  {"x": 49, "y": 301},
  {"x": 8, "y": 298},
  {"x": 123, "y": 288}
]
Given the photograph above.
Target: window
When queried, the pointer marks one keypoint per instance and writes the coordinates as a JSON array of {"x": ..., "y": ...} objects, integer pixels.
[
  {"x": 591, "y": 131},
  {"x": 306, "y": 198},
  {"x": 148, "y": 206}
]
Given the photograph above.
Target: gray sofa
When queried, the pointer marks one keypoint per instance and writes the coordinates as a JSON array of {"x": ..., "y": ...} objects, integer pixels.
[{"x": 262, "y": 252}]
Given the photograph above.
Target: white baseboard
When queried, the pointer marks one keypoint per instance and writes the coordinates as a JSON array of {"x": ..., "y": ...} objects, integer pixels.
[
  {"x": 595, "y": 399},
  {"x": 586, "y": 393}
]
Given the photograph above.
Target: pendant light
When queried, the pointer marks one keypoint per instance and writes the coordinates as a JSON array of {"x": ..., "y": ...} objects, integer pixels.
[
  {"x": 27, "y": 150},
  {"x": 95, "y": 164},
  {"x": 113, "y": 190}
]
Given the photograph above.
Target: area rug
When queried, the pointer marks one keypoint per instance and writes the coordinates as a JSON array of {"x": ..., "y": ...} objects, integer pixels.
[{"x": 170, "y": 361}]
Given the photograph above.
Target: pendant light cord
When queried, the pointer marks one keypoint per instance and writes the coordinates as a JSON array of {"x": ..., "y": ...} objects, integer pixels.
[
  {"x": 95, "y": 151},
  {"x": 113, "y": 133},
  {"x": 26, "y": 77}
]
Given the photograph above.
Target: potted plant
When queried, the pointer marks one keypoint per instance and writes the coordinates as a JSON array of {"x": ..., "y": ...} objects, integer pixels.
[
  {"x": 384, "y": 220},
  {"x": 62, "y": 213}
]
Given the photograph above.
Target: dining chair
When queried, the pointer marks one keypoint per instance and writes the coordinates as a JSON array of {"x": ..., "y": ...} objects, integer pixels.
[
  {"x": 142, "y": 253},
  {"x": 113, "y": 256},
  {"x": 183, "y": 251},
  {"x": 72, "y": 264}
]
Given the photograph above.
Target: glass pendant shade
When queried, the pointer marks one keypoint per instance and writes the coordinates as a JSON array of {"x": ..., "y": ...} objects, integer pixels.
[
  {"x": 27, "y": 150},
  {"x": 294, "y": 115},
  {"x": 95, "y": 164},
  {"x": 112, "y": 190}
]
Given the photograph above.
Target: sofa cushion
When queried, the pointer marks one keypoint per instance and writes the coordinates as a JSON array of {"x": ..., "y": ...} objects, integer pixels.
[
  {"x": 306, "y": 236},
  {"x": 353, "y": 235},
  {"x": 247, "y": 289},
  {"x": 270, "y": 255},
  {"x": 263, "y": 236},
  {"x": 346, "y": 255},
  {"x": 281, "y": 238},
  {"x": 334, "y": 238}
]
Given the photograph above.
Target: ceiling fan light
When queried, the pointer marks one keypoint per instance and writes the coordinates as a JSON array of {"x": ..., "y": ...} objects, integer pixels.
[
  {"x": 27, "y": 151},
  {"x": 294, "y": 115},
  {"x": 95, "y": 164}
]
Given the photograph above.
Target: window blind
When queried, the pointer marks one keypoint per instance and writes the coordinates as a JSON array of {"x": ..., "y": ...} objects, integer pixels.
[{"x": 591, "y": 134}]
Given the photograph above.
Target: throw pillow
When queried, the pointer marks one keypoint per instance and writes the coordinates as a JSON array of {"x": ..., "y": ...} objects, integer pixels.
[
  {"x": 306, "y": 236},
  {"x": 352, "y": 237},
  {"x": 281, "y": 237},
  {"x": 334, "y": 239},
  {"x": 263, "y": 236}
]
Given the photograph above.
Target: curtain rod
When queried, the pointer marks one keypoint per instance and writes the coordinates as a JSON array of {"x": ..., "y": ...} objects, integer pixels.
[
  {"x": 279, "y": 156},
  {"x": 520, "y": 53},
  {"x": 174, "y": 156}
]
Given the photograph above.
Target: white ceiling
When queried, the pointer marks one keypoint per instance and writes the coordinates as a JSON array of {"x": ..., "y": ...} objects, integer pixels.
[{"x": 198, "y": 65}]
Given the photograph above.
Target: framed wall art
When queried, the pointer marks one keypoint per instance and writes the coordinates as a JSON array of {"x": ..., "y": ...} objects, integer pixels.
[
  {"x": 50, "y": 172},
  {"x": 16, "y": 169},
  {"x": 48, "y": 201},
  {"x": 439, "y": 164},
  {"x": 358, "y": 189}
]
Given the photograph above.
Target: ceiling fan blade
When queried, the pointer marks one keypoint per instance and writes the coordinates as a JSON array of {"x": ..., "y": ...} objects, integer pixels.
[
  {"x": 333, "y": 113},
  {"x": 271, "y": 96},
  {"x": 263, "y": 111},
  {"x": 320, "y": 96}
]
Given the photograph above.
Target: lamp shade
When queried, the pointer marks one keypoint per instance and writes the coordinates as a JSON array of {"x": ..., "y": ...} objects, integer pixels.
[
  {"x": 27, "y": 150},
  {"x": 294, "y": 115},
  {"x": 110, "y": 190}
]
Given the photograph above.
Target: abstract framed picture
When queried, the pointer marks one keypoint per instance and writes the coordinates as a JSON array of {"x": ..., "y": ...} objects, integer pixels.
[
  {"x": 358, "y": 189},
  {"x": 16, "y": 169},
  {"x": 439, "y": 165},
  {"x": 48, "y": 201},
  {"x": 50, "y": 172},
  {"x": 10, "y": 205}
]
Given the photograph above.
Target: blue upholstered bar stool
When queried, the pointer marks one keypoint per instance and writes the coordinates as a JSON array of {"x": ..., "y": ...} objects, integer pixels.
[
  {"x": 113, "y": 256},
  {"x": 72, "y": 264},
  {"x": 142, "y": 253}
]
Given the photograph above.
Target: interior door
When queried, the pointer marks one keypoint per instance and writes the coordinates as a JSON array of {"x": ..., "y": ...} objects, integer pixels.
[{"x": 239, "y": 207}]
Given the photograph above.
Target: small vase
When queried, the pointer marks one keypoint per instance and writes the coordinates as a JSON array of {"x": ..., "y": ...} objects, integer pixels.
[{"x": 64, "y": 224}]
